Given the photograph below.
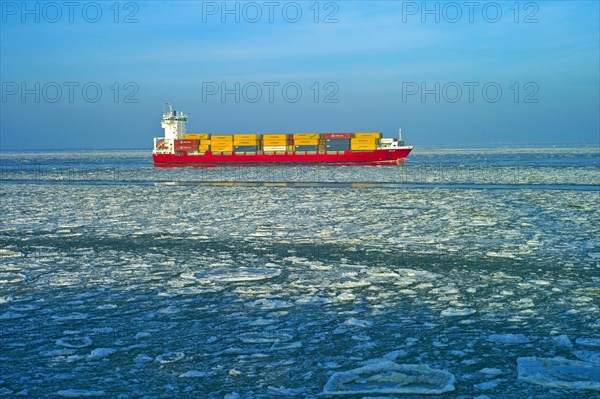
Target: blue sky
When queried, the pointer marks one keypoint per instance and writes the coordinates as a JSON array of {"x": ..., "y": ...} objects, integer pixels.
[{"x": 374, "y": 62}]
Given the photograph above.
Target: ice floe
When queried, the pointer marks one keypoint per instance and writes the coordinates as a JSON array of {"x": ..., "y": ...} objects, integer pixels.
[
  {"x": 562, "y": 340},
  {"x": 457, "y": 312},
  {"x": 170, "y": 357},
  {"x": 11, "y": 315},
  {"x": 508, "y": 338},
  {"x": 358, "y": 323},
  {"x": 7, "y": 253},
  {"x": 283, "y": 391},
  {"x": 242, "y": 274},
  {"x": 392, "y": 356},
  {"x": 559, "y": 373},
  {"x": 269, "y": 304},
  {"x": 193, "y": 374},
  {"x": 588, "y": 341},
  {"x": 11, "y": 278},
  {"x": 264, "y": 337},
  {"x": 488, "y": 385},
  {"x": 588, "y": 356},
  {"x": 387, "y": 377},
  {"x": 277, "y": 346},
  {"x": 100, "y": 353},
  {"x": 74, "y": 341}
]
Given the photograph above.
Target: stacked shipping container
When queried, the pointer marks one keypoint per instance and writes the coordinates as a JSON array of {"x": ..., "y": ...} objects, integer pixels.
[
  {"x": 306, "y": 141},
  {"x": 275, "y": 142},
  {"x": 365, "y": 141},
  {"x": 245, "y": 142},
  {"x": 203, "y": 140},
  {"x": 337, "y": 141},
  {"x": 221, "y": 143},
  {"x": 279, "y": 143}
]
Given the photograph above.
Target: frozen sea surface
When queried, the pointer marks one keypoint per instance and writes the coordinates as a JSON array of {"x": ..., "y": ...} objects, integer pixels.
[{"x": 118, "y": 287}]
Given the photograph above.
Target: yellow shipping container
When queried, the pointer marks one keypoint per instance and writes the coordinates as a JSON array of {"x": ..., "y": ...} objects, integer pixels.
[
  {"x": 203, "y": 148},
  {"x": 312, "y": 143},
  {"x": 236, "y": 140},
  {"x": 245, "y": 142},
  {"x": 363, "y": 148},
  {"x": 275, "y": 137},
  {"x": 197, "y": 136},
  {"x": 364, "y": 143},
  {"x": 221, "y": 139},
  {"x": 274, "y": 143},
  {"x": 245, "y": 136},
  {"x": 361, "y": 135},
  {"x": 364, "y": 140},
  {"x": 300, "y": 136}
]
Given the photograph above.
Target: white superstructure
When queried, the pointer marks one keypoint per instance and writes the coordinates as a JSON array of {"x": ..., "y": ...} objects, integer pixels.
[{"x": 174, "y": 123}]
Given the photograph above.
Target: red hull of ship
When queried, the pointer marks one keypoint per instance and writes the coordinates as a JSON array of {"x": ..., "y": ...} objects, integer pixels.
[{"x": 392, "y": 156}]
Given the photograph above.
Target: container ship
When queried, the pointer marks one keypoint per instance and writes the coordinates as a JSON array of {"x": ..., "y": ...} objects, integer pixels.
[{"x": 179, "y": 148}]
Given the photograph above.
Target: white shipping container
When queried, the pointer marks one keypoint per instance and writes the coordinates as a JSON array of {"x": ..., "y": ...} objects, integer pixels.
[{"x": 274, "y": 148}]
